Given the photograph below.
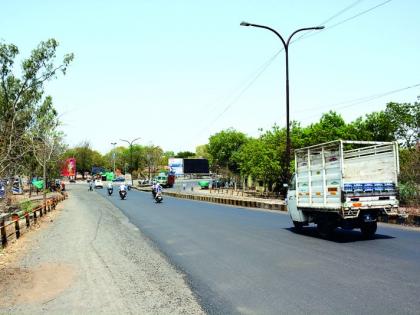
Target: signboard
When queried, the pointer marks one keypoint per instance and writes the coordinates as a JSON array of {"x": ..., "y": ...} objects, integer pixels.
[
  {"x": 196, "y": 166},
  {"x": 176, "y": 166},
  {"x": 69, "y": 168}
]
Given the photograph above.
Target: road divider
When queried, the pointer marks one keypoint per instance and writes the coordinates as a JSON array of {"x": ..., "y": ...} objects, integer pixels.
[{"x": 226, "y": 200}]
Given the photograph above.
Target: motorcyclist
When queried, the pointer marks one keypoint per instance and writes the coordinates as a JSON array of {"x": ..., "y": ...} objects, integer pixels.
[
  {"x": 123, "y": 187},
  {"x": 154, "y": 189},
  {"x": 158, "y": 189},
  {"x": 110, "y": 189}
]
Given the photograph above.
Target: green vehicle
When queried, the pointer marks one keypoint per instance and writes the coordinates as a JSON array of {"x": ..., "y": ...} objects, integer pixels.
[{"x": 204, "y": 184}]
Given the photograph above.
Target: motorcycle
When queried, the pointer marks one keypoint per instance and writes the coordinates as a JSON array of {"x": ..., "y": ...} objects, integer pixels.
[
  {"x": 123, "y": 194},
  {"x": 110, "y": 191},
  {"x": 158, "y": 198}
]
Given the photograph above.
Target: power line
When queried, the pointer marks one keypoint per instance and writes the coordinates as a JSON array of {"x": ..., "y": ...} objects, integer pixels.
[
  {"x": 265, "y": 66},
  {"x": 360, "y": 100},
  {"x": 330, "y": 19},
  {"x": 349, "y": 18}
]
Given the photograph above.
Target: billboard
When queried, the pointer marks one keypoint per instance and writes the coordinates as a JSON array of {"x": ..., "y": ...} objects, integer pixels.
[
  {"x": 196, "y": 166},
  {"x": 176, "y": 166},
  {"x": 69, "y": 168}
]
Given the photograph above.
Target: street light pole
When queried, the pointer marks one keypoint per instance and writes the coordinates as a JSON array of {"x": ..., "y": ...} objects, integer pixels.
[
  {"x": 130, "y": 169},
  {"x": 286, "y": 171},
  {"x": 113, "y": 154}
]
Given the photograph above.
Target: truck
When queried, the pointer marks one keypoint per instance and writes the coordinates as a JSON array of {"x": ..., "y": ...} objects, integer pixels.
[
  {"x": 346, "y": 184},
  {"x": 166, "y": 179}
]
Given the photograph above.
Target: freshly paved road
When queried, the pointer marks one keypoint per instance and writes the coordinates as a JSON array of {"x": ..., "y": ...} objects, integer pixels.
[{"x": 251, "y": 262}]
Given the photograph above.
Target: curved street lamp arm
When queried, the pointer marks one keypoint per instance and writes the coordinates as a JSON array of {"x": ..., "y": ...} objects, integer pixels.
[
  {"x": 132, "y": 141},
  {"x": 268, "y": 28},
  {"x": 304, "y": 29}
]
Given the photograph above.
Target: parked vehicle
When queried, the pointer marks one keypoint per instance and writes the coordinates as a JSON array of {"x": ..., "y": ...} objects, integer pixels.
[{"x": 345, "y": 184}]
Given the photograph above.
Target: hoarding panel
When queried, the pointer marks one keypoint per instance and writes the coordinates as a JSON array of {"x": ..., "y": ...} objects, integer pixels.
[{"x": 176, "y": 165}]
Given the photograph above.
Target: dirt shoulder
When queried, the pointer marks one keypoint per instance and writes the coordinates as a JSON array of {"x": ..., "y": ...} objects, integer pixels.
[{"x": 90, "y": 259}]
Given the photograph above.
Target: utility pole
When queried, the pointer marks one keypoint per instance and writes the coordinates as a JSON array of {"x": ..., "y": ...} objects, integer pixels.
[
  {"x": 113, "y": 154},
  {"x": 286, "y": 170}
]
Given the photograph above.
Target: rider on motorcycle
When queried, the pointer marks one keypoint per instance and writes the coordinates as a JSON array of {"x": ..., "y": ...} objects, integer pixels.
[
  {"x": 158, "y": 189},
  {"x": 123, "y": 187}
]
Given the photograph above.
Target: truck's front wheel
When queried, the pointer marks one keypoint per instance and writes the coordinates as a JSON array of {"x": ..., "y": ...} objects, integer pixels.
[{"x": 369, "y": 229}]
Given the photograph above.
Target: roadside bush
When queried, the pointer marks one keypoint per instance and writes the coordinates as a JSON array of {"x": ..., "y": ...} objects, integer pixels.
[
  {"x": 409, "y": 194},
  {"x": 26, "y": 206}
]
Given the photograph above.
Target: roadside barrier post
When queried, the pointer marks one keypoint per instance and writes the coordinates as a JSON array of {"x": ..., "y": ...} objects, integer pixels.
[
  {"x": 17, "y": 228},
  {"x": 3, "y": 233},
  {"x": 28, "y": 221}
]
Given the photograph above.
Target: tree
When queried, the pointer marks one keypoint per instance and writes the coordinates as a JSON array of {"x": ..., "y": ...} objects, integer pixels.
[
  {"x": 222, "y": 147},
  {"x": 46, "y": 140},
  {"x": 184, "y": 154},
  {"x": 405, "y": 119},
  {"x": 86, "y": 157},
  {"x": 154, "y": 158},
  {"x": 202, "y": 151},
  {"x": 20, "y": 98}
]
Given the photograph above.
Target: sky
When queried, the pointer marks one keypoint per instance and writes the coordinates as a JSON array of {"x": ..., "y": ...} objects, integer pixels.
[{"x": 176, "y": 72}]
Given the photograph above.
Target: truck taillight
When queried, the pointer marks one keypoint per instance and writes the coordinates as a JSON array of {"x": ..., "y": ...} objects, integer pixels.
[{"x": 357, "y": 204}]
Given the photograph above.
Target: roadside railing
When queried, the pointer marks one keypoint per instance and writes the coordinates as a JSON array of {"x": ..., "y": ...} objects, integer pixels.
[
  {"x": 246, "y": 193},
  {"x": 14, "y": 225}
]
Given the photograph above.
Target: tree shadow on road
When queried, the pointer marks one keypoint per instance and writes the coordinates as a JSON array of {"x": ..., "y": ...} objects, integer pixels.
[{"x": 339, "y": 235}]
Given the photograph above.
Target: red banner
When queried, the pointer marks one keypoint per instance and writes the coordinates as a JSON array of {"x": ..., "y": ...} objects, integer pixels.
[{"x": 69, "y": 168}]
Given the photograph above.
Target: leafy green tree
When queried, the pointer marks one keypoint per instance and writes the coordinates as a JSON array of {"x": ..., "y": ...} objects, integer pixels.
[
  {"x": 378, "y": 127},
  {"x": 222, "y": 148},
  {"x": 202, "y": 151},
  {"x": 166, "y": 156},
  {"x": 260, "y": 160},
  {"x": 405, "y": 119},
  {"x": 20, "y": 97},
  {"x": 185, "y": 154},
  {"x": 154, "y": 158},
  {"x": 86, "y": 157}
]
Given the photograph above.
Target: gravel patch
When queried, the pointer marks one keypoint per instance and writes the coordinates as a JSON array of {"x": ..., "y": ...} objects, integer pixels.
[{"x": 91, "y": 259}]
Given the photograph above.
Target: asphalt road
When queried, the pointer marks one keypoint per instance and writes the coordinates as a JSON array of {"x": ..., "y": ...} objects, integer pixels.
[{"x": 251, "y": 262}]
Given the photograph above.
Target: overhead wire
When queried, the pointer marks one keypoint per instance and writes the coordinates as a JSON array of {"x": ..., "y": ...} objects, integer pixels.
[
  {"x": 360, "y": 100},
  {"x": 265, "y": 66}
]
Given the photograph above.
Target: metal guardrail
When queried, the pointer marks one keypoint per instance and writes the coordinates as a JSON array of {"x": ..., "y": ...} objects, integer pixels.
[
  {"x": 12, "y": 229},
  {"x": 246, "y": 193}
]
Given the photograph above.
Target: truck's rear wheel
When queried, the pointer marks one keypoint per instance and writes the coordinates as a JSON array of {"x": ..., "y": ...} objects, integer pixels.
[
  {"x": 325, "y": 229},
  {"x": 298, "y": 226},
  {"x": 368, "y": 229}
]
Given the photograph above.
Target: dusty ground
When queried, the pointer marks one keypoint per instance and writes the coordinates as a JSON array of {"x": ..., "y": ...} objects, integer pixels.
[{"x": 90, "y": 259}]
